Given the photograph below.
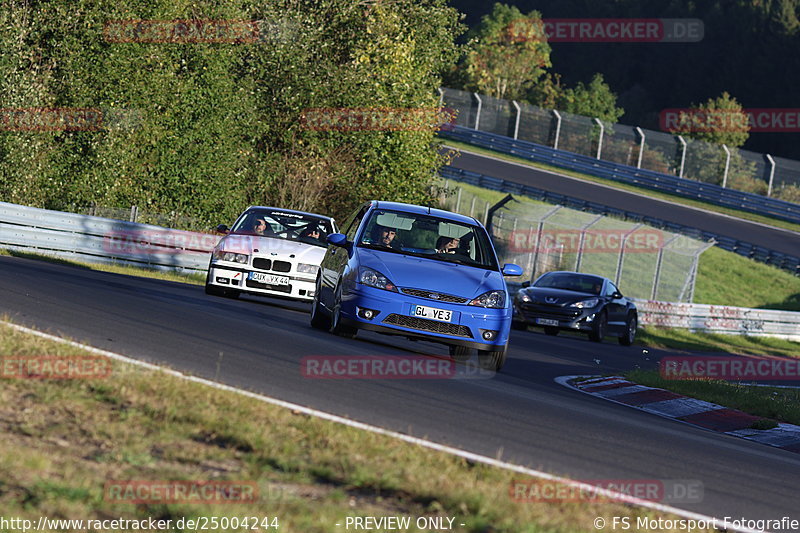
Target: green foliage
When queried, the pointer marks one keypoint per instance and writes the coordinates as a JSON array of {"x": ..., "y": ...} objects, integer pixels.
[
  {"x": 720, "y": 120},
  {"x": 205, "y": 128},
  {"x": 593, "y": 100},
  {"x": 509, "y": 53}
]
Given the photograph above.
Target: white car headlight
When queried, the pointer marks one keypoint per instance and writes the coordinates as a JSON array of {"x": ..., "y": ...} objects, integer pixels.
[
  {"x": 491, "y": 299},
  {"x": 523, "y": 297},
  {"x": 373, "y": 278},
  {"x": 233, "y": 257},
  {"x": 305, "y": 268},
  {"x": 585, "y": 304}
]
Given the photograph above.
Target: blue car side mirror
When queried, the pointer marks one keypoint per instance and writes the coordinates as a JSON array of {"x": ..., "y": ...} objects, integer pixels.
[
  {"x": 512, "y": 270},
  {"x": 337, "y": 239}
]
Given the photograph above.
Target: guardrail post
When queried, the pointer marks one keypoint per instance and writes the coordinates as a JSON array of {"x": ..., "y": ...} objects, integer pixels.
[
  {"x": 771, "y": 174},
  {"x": 727, "y": 165},
  {"x": 600, "y": 138},
  {"x": 516, "y": 123},
  {"x": 558, "y": 129},
  {"x": 478, "y": 114},
  {"x": 683, "y": 155},
  {"x": 134, "y": 213},
  {"x": 641, "y": 147}
]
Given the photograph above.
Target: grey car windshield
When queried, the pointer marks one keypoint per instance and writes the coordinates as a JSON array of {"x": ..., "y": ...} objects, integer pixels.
[
  {"x": 571, "y": 282},
  {"x": 284, "y": 225},
  {"x": 428, "y": 236}
]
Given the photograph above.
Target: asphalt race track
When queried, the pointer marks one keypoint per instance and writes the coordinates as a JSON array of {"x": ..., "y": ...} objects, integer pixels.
[
  {"x": 776, "y": 239},
  {"x": 520, "y": 415}
]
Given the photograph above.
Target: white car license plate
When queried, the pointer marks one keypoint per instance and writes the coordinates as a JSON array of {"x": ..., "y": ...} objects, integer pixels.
[
  {"x": 546, "y": 322},
  {"x": 269, "y": 279},
  {"x": 442, "y": 315}
]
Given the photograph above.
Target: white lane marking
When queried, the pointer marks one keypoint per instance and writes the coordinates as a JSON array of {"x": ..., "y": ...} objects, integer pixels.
[{"x": 624, "y": 498}]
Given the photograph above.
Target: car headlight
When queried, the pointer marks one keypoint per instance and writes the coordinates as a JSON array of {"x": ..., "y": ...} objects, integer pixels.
[
  {"x": 585, "y": 304},
  {"x": 491, "y": 299},
  {"x": 373, "y": 278},
  {"x": 231, "y": 256},
  {"x": 305, "y": 268},
  {"x": 524, "y": 298}
]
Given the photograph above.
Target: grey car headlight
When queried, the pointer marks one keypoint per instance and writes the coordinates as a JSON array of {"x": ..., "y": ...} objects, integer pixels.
[
  {"x": 233, "y": 257},
  {"x": 585, "y": 304},
  {"x": 373, "y": 278},
  {"x": 491, "y": 299},
  {"x": 305, "y": 268}
]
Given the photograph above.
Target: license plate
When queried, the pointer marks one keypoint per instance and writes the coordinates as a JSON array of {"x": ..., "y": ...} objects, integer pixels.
[
  {"x": 269, "y": 279},
  {"x": 442, "y": 315},
  {"x": 546, "y": 322}
]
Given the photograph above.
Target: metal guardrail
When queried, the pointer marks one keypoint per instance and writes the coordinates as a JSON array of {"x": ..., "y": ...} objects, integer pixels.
[
  {"x": 648, "y": 179},
  {"x": 753, "y": 251},
  {"x": 720, "y": 319},
  {"x": 96, "y": 239}
]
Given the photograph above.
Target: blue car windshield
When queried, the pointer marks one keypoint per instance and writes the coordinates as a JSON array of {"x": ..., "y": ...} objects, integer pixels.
[{"x": 428, "y": 236}]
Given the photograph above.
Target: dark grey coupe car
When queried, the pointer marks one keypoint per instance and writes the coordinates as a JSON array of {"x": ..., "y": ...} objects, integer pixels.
[{"x": 576, "y": 302}]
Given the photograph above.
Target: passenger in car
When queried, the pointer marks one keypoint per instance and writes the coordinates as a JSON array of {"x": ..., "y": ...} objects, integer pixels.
[{"x": 447, "y": 245}]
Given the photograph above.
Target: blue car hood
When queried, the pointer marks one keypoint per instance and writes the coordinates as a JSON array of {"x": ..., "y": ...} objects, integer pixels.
[{"x": 430, "y": 274}]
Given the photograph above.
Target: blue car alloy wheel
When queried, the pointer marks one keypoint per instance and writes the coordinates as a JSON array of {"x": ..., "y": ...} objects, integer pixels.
[{"x": 418, "y": 272}]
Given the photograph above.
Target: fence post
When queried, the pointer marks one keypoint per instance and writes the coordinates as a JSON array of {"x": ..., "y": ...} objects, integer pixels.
[
  {"x": 683, "y": 155},
  {"x": 519, "y": 114},
  {"x": 621, "y": 257},
  {"x": 472, "y": 207},
  {"x": 134, "y": 213},
  {"x": 600, "y": 139},
  {"x": 727, "y": 165},
  {"x": 538, "y": 244},
  {"x": 771, "y": 174},
  {"x": 641, "y": 147},
  {"x": 657, "y": 275},
  {"x": 478, "y": 114},
  {"x": 558, "y": 129},
  {"x": 583, "y": 240},
  {"x": 458, "y": 200},
  {"x": 441, "y": 96}
]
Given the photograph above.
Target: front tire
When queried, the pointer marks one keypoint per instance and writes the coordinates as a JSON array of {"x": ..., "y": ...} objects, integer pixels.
[
  {"x": 492, "y": 359},
  {"x": 630, "y": 330},
  {"x": 318, "y": 318},
  {"x": 600, "y": 327},
  {"x": 459, "y": 353},
  {"x": 337, "y": 328}
]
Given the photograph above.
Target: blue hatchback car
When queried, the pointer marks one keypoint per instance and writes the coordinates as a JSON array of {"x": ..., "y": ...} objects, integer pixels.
[{"x": 418, "y": 272}]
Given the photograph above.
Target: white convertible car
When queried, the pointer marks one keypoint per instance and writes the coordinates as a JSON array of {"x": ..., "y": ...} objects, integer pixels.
[{"x": 271, "y": 252}]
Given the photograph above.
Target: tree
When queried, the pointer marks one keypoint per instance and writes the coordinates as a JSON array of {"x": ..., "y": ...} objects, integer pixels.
[
  {"x": 721, "y": 121},
  {"x": 593, "y": 100},
  {"x": 508, "y": 54}
]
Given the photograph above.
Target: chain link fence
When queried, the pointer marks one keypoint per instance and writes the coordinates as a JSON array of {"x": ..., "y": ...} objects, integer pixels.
[
  {"x": 645, "y": 262},
  {"x": 642, "y": 148}
]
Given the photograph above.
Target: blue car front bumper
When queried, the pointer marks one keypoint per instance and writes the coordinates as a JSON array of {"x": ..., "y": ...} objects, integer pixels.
[{"x": 393, "y": 313}]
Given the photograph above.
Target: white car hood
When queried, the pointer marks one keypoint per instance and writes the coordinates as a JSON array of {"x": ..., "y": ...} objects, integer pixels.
[{"x": 273, "y": 248}]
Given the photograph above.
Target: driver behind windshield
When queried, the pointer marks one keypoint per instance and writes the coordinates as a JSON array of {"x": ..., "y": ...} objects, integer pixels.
[{"x": 383, "y": 236}]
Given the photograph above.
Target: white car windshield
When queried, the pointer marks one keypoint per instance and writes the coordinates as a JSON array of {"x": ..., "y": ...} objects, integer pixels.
[
  {"x": 277, "y": 224},
  {"x": 428, "y": 236}
]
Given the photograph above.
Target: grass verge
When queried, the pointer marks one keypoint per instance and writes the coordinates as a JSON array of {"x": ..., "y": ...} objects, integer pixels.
[
  {"x": 682, "y": 339},
  {"x": 770, "y": 403},
  {"x": 625, "y": 187},
  {"x": 62, "y": 440}
]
